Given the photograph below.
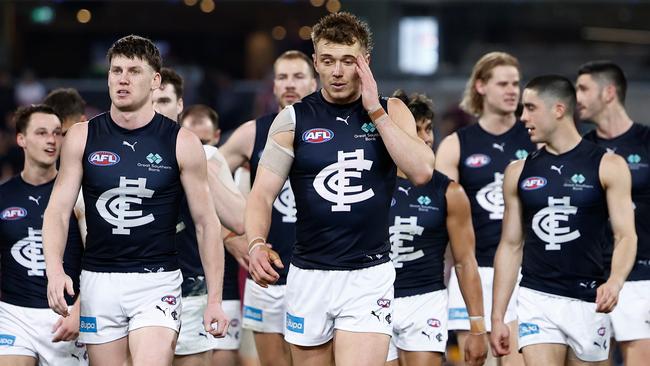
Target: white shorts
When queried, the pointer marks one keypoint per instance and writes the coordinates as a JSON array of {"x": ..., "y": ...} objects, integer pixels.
[
  {"x": 631, "y": 317},
  {"x": 28, "y": 332},
  {"x": 113, "y": 304},
  {"x": 320, "y": 301},
  {"x": 546, "y": 318},
  {"x": 458, "y": 317},
  {"x": 264, "y": 308},
  {"x": 193, "y": 338},
  {"x": 419, "y": 324}
]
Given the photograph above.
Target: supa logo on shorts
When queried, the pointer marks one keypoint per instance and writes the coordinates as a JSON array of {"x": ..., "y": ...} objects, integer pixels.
[
  {"x": 435, "y": 323},
  {"x": 528, "y": 329},
  {"x": 103, "y": 158},
  {"x": 88, "y": 324},
  {"x": 317, "y": 135},
  {"x": 13, "y": 213},
  {"x": 295, "y": 324},
  {"x": 458, "y": 313},
  {"x": 384, "y": 303},
  {"x": 532, "y": 183},
  {"x": 7, "y": 340},
  {"x": 253, "y": 313},
  {"x": 170, "y": 299},
  {"x": 477, "y": 160}
]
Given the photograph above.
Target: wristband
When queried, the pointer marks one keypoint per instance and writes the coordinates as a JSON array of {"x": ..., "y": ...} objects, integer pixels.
[
  {"x": 250, "y": 243},
  {"x": 250, "y": 249},
  {"x": 477, "y": 325},
  {"x": 377, "y": 114}
]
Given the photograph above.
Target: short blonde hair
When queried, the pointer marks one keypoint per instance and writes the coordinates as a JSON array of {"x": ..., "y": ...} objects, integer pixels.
[{"x": 472, "y": 102}]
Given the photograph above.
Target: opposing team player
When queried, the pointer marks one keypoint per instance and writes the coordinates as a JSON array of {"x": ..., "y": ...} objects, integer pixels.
[
  {"x": 601, "y": 89},
  {"x": 422, "y": 221},
  {"x": 69, "y": 105},
  {"x": 264, "y": 307},
  {"x": 133, "y": 165},
  {"x": 476, "y": 157},
  {"x": 339, "y": 146},
  {"x": 558, "y": 201},
  {"x": 30, "y": 333}
]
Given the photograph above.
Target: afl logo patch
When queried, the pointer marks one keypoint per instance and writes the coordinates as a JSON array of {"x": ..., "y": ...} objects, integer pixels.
[
  {"x": 103, "y": 158},
  {"x": 13, "y": 213},
  {"x": 532, "y": 183},
  {"x": 477, "y": 160},
  {"x": 317, "y": 135},
  {"x": 170, "y": 299}
]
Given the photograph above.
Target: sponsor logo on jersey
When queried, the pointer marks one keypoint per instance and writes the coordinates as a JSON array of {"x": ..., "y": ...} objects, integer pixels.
[
  {"x": 435, "y": 323},
  {"x": 295, "y": 324},
  {"x": 424, "y": 200},
  {"x": 578, "y": 178},
  {"x": 103, "y": 158},
  {"x": 577, "y": 182},
  {"x": 521, "y": 154},
  {"x": 532, "y": 183},
  {"x": 634, "y": 161},
  {"x": 368, "y": 127},
  {"x": 253, "y": 313},
  {"x": 13, "y": 213},
  {"x": 458, "y": 314},
  {"x": 88, "y": 324},
  {"x": 526, "y": 329},
  {"x": 317, "y": 135},
  {"x": 477, "y": 160},
  {"x": 154, "y": 158},
  {"x": 170, "y": 299}
]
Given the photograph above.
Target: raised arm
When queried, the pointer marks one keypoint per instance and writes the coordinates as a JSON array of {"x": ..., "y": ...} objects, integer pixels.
[
  {"x": 461, "y": 237},
  {"x": 239, "y": 147},
  {"x": 57, "y": 216},
  {"x": 227, "y": 199},
  {"x": 616, "y": 179},
  {"x": 448, "y": 156},
  {"x": 507, "y": 259}
]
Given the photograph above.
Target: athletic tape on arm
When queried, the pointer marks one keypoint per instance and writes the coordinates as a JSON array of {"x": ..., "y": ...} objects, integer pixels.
[{"x": 276, "y": 158}]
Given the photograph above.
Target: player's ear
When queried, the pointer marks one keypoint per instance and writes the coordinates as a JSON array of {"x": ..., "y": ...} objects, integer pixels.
[
  {"x": 559, "y": 110},
  {"x": 155, "y": 83},
  {"x": 479, "y": 86},
  {"x": 20, "y": 140}
]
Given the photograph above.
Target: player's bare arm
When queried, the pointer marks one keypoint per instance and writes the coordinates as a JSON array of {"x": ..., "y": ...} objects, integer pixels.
[
  {"x": 239, "y": 147},
  {"x": 227, "y": 199},
  {"x": 448, "y": 156},
  {"x": 507, "y": 260},
  {"x": 57, "y": 216},
  {"x": 617, "y": 181}
]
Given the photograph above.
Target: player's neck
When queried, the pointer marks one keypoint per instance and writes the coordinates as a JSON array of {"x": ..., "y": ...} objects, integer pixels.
[
  {"x": 564, "y": 139},
  {"x": 496, "y": 123},
  {"x": 36, "y": 174},
  {"x": 133, "y": 119},
  {"x": 612, "y": 122}
]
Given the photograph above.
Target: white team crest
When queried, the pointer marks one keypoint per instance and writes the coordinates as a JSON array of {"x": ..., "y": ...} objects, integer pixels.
[
  {"x": 404, "y": 229},
  {"x": 333, "y": 182},
  {"x": 546, "y": 223},
  {"x": 28, "y": 252},
  {"x": 114, "y": 205},
  {"x": 285, "y": 203},
  {"x": 490, "y": 197}
]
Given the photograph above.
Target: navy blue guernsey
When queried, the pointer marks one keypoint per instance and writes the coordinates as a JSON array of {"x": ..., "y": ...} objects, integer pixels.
[
  {"x": 132, "y": 190},
  {"x": 282, "y": 233},
  {"x": 483, "y": 159},
  {"x": 24, "y": 281},
  {"x": 343, "y": 180},
  {"x": 418, "y": 235},
  {"x": 634, "y": 147},
  {"x": 564, "y": 214}
]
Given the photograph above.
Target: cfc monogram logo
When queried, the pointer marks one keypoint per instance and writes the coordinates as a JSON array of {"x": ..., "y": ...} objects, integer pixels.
[
  {"x": 286, "y": 203},
  {"x": 404, "y": 229},
  {"x": 114, "y": 205},
  {"x": 490, "y": 197},
  {"x": 546, "y": 223},
  {"x": 28, "y": 252},
  {"x": 333, "y": 182}
]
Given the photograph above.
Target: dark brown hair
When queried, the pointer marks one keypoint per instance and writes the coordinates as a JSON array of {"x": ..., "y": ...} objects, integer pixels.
[
  {"x": 201, "y": 110},
  {"x": 133, "y": 46},
  {"x": 24, "y": 114},
  {"x": 169, "y": 76}
]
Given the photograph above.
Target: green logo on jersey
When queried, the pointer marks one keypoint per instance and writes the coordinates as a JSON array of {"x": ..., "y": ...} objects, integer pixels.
[
  {"x": 368, "y": 127},
  {"x": 578, "y": 178},
  {"x": 521, "y": 154},
  {"x": 154, "y": 158},
  {"x": 424, "y": 200},
  {"x": 634, "y": 159}
]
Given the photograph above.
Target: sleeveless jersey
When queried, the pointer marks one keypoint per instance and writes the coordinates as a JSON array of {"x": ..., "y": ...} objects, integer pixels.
[
  {"x": 343, "y": 180},
  {"x": 564, "y": 214},
  {"x": 634, "y": 147},
  {"x": 282, "y": 233},
  {"x": 24, "y": 281},
  {"x": 132, "y": 189},
  {"x": 418, "y": 235},
  {"x": 483, "y": 159}
]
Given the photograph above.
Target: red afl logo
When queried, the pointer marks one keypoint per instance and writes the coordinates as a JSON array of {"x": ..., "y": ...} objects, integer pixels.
[
  {"x": 435, "y": 323},
  {"x": 384, "y": 303},
  {"x": 477, "y": 161},
  {"x": 532, "y": 183},
  {"x": 317, "y": 135},
  {"x": 103, "y": 158},
  {"x": 171, "y": 300},
  {"x": 13, "y": 213}
]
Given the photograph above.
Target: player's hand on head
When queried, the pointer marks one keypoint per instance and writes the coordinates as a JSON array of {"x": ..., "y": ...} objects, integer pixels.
[
  {"x": 369, "y": 92},
  {"x": 500, "y": 339},
  {"x": 607, "y": 296},
  {"x": 215, "y": 320},
  {"x": 260, "y": 266},
  {"x": 57, "y": 284},
  {"x": 476, "y": 349}
]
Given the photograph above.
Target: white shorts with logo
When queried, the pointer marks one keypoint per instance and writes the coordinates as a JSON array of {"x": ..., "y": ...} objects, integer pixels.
[
  {"x": 264, "y": 308},
  {"x": 28, "y": 332},
  {"x": 113, "y": 304},
  {"x": 458, "y": 316},
  {"x": 419, "y": 323},
  {"x": 320, "y": 301},
  {"x": 631, "y": 317},
  {"x": 546, "y": 318},
  {"x": 193, "y": 338}
]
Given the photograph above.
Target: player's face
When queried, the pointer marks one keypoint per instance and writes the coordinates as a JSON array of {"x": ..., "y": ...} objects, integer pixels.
[
  {"x": 130, "y": 83},
  {"x": 537, "y": 117},
  {"x": 42, "y": 139},
  {"x": 166, "y": 103},
  {"x": 202, "y": 127},
  {"x": 425, "y": 130},
  {"x": 589, "y": 95},
  {"x": 336, "y": 65},
  {"x": 293, "y": 80},
  {"x": 501, "y": 91}
]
